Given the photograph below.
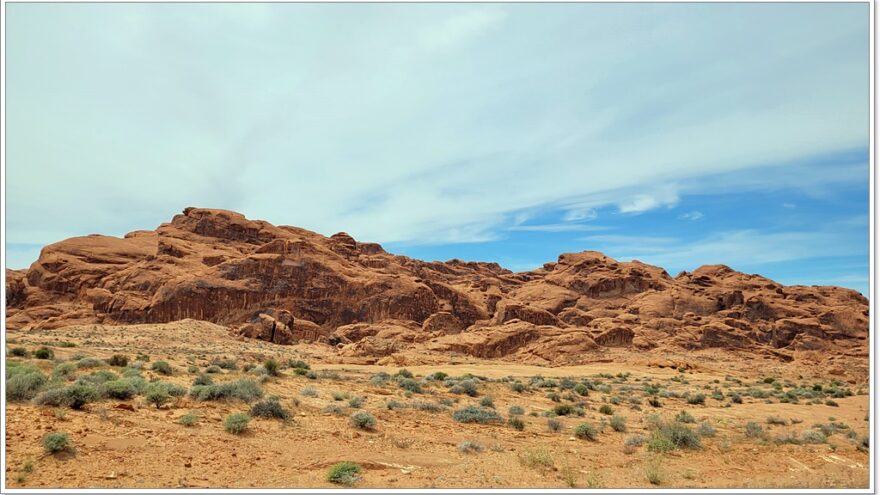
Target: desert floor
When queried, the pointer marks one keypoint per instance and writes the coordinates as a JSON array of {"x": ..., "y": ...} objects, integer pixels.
[{"x": 131, "y": 443}]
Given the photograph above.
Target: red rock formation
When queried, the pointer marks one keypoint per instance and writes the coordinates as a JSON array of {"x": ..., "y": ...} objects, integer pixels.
[{"x": 287, "y": 285}]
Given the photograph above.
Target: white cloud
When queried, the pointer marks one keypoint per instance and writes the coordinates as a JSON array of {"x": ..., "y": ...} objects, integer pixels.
[
  {"x": 460, "y": 29},
  {"x": 579, "y": 214},
  {"x": 359, "y": 117},
  {"x": 691, "y": 215},
  {"x": 558, "y": 227}
]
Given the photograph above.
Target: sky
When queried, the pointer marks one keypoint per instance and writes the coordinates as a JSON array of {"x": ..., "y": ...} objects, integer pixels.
[{"x": 675, "y": 134}]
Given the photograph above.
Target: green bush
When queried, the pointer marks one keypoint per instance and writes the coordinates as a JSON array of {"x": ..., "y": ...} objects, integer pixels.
[
  {"x": 90, "y": 362},
  {"x": 563, "y": 410},
  {"x": 474, "y": 414},
  {"x": 298, "y": 365},
  {"x": 466, "y": 386},
  {"x": 518, "y": 387},
  {"x": 356, "y": 402},
  {"x": 832, "y": 403},
  {"x": 44, "y": 353},
  {"x": 586, "y": 431},
  {"x": 56, "y": 442},
  {"x": 696, "y": 399},
  {"x": 813, "y": 436},
  {"x": 272, "y": 367},
  {"x": 188, "y": 420},
  {"x": 754, "y": 430},
  {"x": 244, "y": 389},
  {"x": 64, "y": 370},
  {"x": 487, "y": 402},
  {"x": 309, "y": 392},
  {"x": 118, "y": 360},
  {"x": 344, "y": 473},
  {"x": 334, "y": 409},
  {"x": 685, "y": 417},
  {"x": 157, "y": 393},
  {"x": 606, "y": 409},
  {"x": 705, "y": 430},
  {"x": 162, "y": 367},
  {"x": 618, "y": 423},
  {"x": 363, "y": 420},
  {"x": 660, "y": 444},
  {"x": 516, "y": 423},
  {"x": 25, "y": 385},
  {"x": 121, "y": 389},
  {"x": 554, "y": 425},
  {"x": 516, "y": 411},
  {"x": 212, "y": 369},
  {"x": 236, "y": 423},
  {"x": 581, "y": 389},
  {"x": 18, "y": 352},
  {"x": 432, "y": 407},
  {"x": 411, "y": 385},
  {"x": 203, "y": 379},
  {"x": 404, "y": 373},
  {"x": 270, "y": 408}
]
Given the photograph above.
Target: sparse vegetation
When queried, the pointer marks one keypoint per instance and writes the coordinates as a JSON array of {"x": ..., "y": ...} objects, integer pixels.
[
  {"x": 469, "y": 447},
  {"x": 162, "y": 367},
  {"x": 270, "y": 408},
  {"x": 474, "y": 414},
  {"x": 363, "y": 420},
  {"x": 44, "y": 353},
  {"x": 188, "y": 420},
  {"x": 586, "y": 431},
  {"x": 56, "y": 442},
  {"x": 344, "y": 473},
  {"x": 236, "y": 423}
]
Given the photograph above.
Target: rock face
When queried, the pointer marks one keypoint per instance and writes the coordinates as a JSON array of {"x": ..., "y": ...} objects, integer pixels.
[{"x": 286, "y": 285}]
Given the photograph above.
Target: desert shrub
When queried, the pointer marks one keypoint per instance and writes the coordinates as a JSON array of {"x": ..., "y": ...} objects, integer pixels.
[
  {"x": 203, "y": 379},
  {"x": 518, "y": 387},
  {"x": 226, "y": 364},
  {"x": 696, "y": 399},
  {"x": 56, "y": 442},
  {"x": 404, "y": 373},
  {"x": 311, "y": 375},
  {"x": 344, "y": 473},
  {"x": 554, "y": 425},
  {"x": 474, "y": 414},
  {"x": 162, "y": 367},
  {"x": 516, "y": 423},
  {"x": 309, "y": 392},
  {"x": 392, "y": 404},
  {"x": 563, "y": 410},
  {"x": 813, "y": 436},
  {"x": 754, "y": 430},
  {"x": 705, "y": 430},
  {"x": 736, "y": 398},
  {"x": 635, "y": 441},
  {"x": 363, "y": 420},
  {"x": 269, "y": 408},
  {"x": 586, "y": 431},
  {"x": 212, "y": 369},
  {"x": 618, "y": 423},
  {"x": 118, "y": 360},
  {"x": 606, "y": 409},
  {"x": 298, "y": 364},
  {"x": 516, "y": 410},
  {"x": 554, "y": 396},
  {"x": 90, "y": 362},
  {"x": 776, "y": 420},
  {"x": 685, "y": 417},
  {"x": 18, "y": 352},
  {"x": 832, "y": 403},
  {"x": 64, "y": 370},
  {"x": 98, "y": 377},
  {"x": 356, "y": 402},
  {"x": 581, "y": 389},
  {"x": 466, "y": 386},
  {"x": 272, "y": 367},
  {"x": 25, "y": 385},
  {"x": 121, "y": 389},
  {"x": 655, "y": 402},
  {"x": 339, "y": 396},
  {"x": 487, "y": 402},
  {"x": 244, "y": 390},
  {"x": 236, "y": 423},
  {"x": 334, "y": 409},
  {"x": 157, "y": 394},
  {"x": 428, "y": 406},
  {"x": 410, "y": 385},
  {"x": 469, "y": 447},
  {"x": 188, "y": 420},
  {"x": 44, "y": 353},
  {"x": 79, "y": 394},
  {"x": 379, "y": 379},
  {"x": 717, "y": 394},
  {"x": 537, "y": 458},
  {"x": 437, "y": 376},
  {"x": 660, "y": 444}
]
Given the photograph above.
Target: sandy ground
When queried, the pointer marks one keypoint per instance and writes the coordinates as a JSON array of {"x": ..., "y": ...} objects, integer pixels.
[{"x": 147, "y": 447}]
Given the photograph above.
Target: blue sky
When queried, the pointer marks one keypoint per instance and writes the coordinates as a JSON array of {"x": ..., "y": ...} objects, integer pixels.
[{"x": 677, "y": 134}]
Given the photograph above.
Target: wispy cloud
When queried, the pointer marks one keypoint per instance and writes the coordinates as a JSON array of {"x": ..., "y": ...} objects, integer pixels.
[
  {"x": 558, "y": 227},
  {"x": 691, "y": 215}
]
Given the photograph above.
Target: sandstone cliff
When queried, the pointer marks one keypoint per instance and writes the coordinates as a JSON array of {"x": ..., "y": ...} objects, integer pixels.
[{"x": 287, "y": 284}]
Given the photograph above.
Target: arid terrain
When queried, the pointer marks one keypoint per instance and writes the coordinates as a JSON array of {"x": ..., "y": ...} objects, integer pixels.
[{"x": 218, "y": 351}]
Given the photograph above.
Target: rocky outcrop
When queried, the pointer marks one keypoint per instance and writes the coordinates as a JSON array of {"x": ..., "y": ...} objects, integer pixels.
[{"x": 288, "y": 285}]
